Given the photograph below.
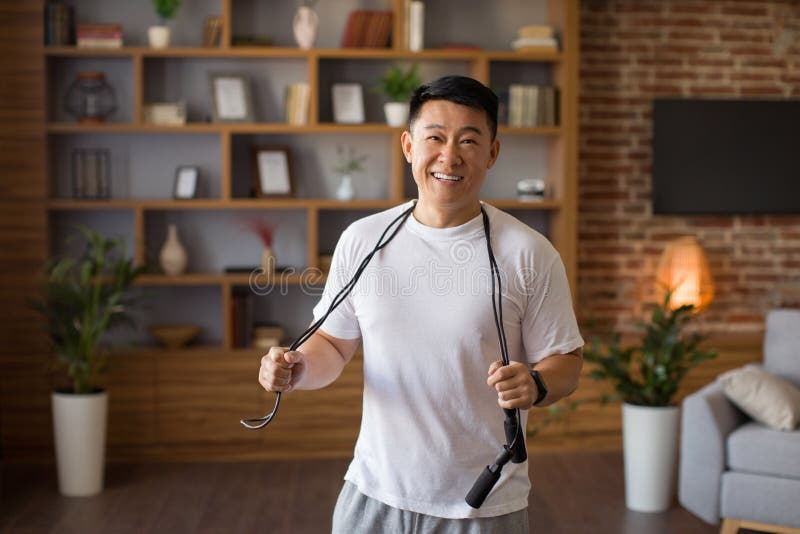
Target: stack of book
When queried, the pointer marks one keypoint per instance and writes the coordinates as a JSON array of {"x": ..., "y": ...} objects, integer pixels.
[
  {"x": 99, "y": 35},
  {"x": 298, "y": 96},
  {"x": 58, "y": 25},
  {"x": 535, "y": 38},
  {"x": 242, "y": 317},
  {"x": 367, "y": 29},
  {"x": 532, "y": 105}
]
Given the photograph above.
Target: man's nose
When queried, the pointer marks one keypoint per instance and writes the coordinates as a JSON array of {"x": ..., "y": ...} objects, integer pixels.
[{"x": 450, "y": 154}]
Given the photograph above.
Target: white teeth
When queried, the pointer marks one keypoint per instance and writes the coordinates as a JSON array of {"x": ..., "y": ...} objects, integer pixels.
[{"x": 447, "y": 177}]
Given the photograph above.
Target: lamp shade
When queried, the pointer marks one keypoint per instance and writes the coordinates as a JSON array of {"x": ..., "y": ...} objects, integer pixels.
[{"x": 683, "y": 269}]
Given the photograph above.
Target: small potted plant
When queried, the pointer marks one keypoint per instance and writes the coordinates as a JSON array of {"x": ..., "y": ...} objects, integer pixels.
[
  {"x": 159, "y": 36},
  {"x": 82, "y": 299},
  {"x": 348, "y": 164},
  {"x": 398, "y": 84},
  {"x": 645, "y": 377}
]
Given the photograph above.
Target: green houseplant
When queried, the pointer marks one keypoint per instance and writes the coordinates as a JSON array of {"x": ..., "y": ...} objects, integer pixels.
[
  {"x": 645, "y": 377},
  {"x": 82, "y": 299},
  {"x": 650, "y": 372},
  {"x": 159, "y": 36},
  {"x": 398, "y": 84}
]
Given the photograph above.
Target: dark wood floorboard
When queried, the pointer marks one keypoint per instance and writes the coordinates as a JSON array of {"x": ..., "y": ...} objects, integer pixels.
[{"x": 573, "y": 493}]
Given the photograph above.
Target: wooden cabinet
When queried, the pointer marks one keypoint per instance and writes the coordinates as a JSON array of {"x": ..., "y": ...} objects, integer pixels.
[{"x": 144, "y": 157}]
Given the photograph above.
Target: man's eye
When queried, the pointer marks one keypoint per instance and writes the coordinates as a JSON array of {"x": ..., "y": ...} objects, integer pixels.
[
  {"x": 469, "y": 141},
  {"x": 433, "y": 137}
]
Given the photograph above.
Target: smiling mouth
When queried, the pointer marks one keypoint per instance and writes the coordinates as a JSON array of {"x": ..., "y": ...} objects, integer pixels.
[{"x": 447, "y": 177}]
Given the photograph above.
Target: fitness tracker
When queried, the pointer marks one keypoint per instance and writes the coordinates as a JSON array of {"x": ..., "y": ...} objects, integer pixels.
[{"x": 541, "y": 388}]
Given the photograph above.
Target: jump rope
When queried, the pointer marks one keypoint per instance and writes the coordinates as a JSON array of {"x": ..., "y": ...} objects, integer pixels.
[{"x": 514, "y": 448}]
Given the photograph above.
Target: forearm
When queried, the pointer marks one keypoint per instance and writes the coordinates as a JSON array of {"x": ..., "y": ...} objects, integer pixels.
[
  {"x": 324, "y": 362},
  {"x": 560, "y": 373}
]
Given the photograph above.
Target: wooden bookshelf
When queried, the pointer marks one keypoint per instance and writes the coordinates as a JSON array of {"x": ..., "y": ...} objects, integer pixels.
[{"x": 144, "y": 75}]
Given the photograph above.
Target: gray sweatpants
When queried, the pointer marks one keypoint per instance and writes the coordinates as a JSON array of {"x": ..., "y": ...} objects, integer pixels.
[{"x": 355, "y": 513}]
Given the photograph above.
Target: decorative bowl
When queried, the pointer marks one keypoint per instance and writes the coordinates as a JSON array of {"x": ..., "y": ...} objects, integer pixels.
[{"x": 174, "y": 336}]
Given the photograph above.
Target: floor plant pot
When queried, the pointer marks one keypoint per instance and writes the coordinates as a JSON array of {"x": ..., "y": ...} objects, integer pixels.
[
  {"x": 158, "y": 36},
  {"x": 649, "y": 436},
  {"x": 79, "y": 429},
  {"x": 396, "y": 113}
]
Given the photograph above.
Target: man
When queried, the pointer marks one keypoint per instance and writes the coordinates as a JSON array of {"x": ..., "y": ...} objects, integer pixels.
[{"x": 423, "y": 310}]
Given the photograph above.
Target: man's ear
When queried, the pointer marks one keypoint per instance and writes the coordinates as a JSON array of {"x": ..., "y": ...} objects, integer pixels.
[
  {"x": 494, "y": 151},
  {"x": 405, "y": 144}
]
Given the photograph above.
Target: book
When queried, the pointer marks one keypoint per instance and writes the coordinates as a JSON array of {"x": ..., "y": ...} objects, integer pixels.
[
  {"x": 59, "y": 24},
  {"x": 416, "y": 31}
]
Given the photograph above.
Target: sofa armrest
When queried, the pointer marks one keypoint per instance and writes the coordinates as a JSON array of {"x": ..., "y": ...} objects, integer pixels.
[{"x": 707, "y": 418}]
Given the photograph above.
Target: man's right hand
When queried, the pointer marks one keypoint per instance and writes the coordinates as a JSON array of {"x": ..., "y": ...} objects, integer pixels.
[{"x": 281, "y": 369}]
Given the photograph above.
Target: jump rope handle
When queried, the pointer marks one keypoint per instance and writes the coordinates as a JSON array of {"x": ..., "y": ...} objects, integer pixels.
[{"x": 514, "y": 434}]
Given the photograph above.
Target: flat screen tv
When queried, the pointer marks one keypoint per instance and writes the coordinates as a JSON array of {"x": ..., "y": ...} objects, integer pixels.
[{"x": 726, "y": 157}]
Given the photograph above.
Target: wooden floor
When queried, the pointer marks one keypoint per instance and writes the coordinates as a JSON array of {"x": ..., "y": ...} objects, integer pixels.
[{"x": 572, "y": 493}]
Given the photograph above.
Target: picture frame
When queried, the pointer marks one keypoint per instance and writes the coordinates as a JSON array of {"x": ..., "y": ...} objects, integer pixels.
[
  {"x": 272, "y": 171},
  {"x": 348, "y": 103},
  {"x": 187, "y": 179},
  {"x": 231, "y": 99}
]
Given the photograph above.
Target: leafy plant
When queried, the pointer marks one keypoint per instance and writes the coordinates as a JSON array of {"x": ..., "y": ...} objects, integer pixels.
[
  {"x": 84, "y": 298},
  {"x": 349, "y": 162},
  {"x": 398, "y": 84},
  {"x": 648, "y": 374},
  {"x": 166, "y": 9},
  {"x": 645, "y": 374}
]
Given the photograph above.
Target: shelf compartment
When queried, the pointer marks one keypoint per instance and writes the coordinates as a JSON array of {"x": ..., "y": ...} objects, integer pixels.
[
  {"x": 368, "y": 73},
  {"x": 218, "y": 239},
  {"x": 170, "y": 79},
  {"x": 313, "y": 158},
  {"x": 62, "y": 72},
  {"x": 141, "y": 166}
]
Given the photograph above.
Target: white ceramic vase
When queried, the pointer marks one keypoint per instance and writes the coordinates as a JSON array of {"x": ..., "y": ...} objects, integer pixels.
[
  {"x": 345, "y": 191},
  {"x": 396, "y": 113},
  {"x": 305, "y": 26},
  {"x": 79, "y": 429},
  {"x": 158, "y": 36},
  {"x": 173, "y": 257},
  {"x": 649, "y": 436},
  {"x": 268, "y": 260}
]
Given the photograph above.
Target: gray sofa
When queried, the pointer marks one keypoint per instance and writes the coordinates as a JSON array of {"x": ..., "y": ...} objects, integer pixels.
[{"x": 737, "y": 469}]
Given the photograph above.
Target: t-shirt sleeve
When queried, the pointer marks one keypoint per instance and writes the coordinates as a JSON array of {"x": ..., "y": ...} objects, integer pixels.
[
  {"x": 342, "y": 322},
  {"x": 549, "y": 325}
]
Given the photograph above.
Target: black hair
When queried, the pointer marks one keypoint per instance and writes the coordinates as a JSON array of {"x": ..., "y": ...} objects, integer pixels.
[{"x": 459, "y": 90}]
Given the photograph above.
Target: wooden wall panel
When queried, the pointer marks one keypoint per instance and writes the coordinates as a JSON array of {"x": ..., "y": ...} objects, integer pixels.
[{"x": 24, "y": 382}]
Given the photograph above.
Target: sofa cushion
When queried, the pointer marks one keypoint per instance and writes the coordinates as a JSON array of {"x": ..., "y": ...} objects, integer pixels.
[
  {"x": 765, "y": 397},
  {"x": 754, "y": 448},
  {"x": 781, "y": 342}
]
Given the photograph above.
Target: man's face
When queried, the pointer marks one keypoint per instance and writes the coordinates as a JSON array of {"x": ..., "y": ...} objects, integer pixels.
[{"x": 450, "y": 149}]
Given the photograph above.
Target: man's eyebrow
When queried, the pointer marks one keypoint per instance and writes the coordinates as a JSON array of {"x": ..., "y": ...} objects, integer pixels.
[{"x": 465, "y": 128}]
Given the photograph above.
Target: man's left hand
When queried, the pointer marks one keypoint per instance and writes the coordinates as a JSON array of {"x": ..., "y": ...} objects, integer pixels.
[{"x": 514, "y": 384}]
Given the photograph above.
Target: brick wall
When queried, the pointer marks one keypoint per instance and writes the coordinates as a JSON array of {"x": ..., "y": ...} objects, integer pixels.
[{"x": 631, "y": 52}]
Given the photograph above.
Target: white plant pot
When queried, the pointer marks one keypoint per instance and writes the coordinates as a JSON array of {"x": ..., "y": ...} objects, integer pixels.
[
  {"x": 396, "y": 113},
  {"x": 79, "y": 428},
  {"x": 649, "y": 436},
  {"x": 158, "y": 36}
]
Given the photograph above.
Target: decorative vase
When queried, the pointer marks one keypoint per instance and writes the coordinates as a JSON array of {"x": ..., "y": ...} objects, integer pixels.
[
  {"x": 345, "y": 190},
  {"x": 396, "y": 113},
  {"x": 158, "y": 36},
  {"x": 173, "y": 255},
  {"x": 305, "y": 25},
  {"x": 649, "y": 436},
  {"x": 267, "y": 260},
  {"x": 79, "y": 429}
]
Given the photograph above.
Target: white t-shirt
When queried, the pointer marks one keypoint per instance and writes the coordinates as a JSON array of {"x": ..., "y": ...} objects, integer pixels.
[{"x": 430, "y": 423}]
